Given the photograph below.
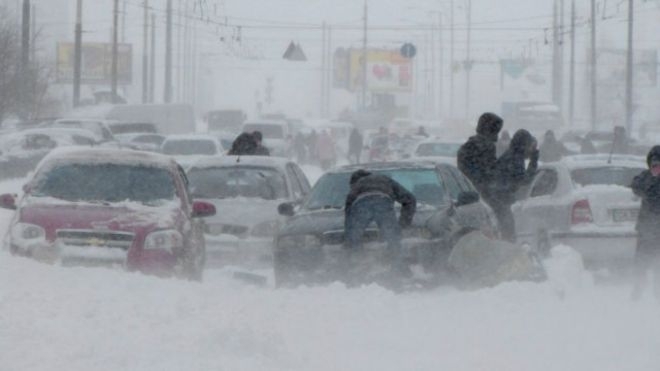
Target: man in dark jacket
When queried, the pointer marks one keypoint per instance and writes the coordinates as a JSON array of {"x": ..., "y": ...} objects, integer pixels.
[
  {"x": 372, "y": 198},
  {"x": 647, "y": 186},
  {"x": 510, "y": 176},
  {"x": 552, "y": 150},
  {"x": 244, "y": 145},
  {"x": 476, "y": 158},
  {"x": 260, "y": 150},
  {"x": 355, "y": 142}
]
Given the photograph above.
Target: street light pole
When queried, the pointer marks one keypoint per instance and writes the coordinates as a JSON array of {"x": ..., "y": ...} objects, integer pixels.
[
  {"x": 145, "y": 54},
  {"x": 629, "y": 70},
  {"x": 167, "y": 98},
  {"x": 594, "y": 66},
  {"x": 364, "y": 57},
  {"x": 468, "y": 66},
  {"x": 114, "y": 51},
  {"x": 77, "y": 57}
]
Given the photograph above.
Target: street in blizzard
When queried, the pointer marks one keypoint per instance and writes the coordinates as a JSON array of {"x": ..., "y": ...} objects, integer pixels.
[{"x": 324, "y": 185}]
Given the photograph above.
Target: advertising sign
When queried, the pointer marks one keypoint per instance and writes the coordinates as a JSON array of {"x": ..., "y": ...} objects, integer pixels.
[
  {"x": 387, "y": 70},
  {"x": 96, "y": 63}
]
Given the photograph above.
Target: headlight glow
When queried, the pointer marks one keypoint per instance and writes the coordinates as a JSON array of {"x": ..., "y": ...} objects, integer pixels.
[
  {"x": 27, "y": 231},
  {"x": 169, "y": 239}
]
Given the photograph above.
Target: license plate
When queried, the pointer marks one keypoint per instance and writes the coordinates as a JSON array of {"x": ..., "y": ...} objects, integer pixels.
[{"x": 625, "y": 215}]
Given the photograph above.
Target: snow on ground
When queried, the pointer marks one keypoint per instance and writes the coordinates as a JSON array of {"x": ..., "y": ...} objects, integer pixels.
[{"x": 55, "y": 318}]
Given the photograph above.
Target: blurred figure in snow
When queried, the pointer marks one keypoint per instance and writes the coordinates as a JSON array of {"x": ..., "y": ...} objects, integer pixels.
[
  {"x": 261, "y": 150},
  {"x": 326, "y": 150},
  {"x": 355, "y": 142},
  {"x": 422, "y": 132},
  {"x": 299, "y": 147},
  {"x": 552, "y": 150}
]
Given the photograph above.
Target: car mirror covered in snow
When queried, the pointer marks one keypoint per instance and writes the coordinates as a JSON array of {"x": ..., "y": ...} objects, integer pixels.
[
  {"x": 203, "y": 209},
  {"x": 8, "y": 201},
  {"x": 286, "y": 209},
  {"x": 467, "y": 198}
]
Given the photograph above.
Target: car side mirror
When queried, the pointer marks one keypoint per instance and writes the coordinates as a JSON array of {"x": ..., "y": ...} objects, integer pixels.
[
  {"x": 8, "y": 201},
  {"x": 202, "y": 209},
  {"x": 467, "y": 198},
  {"x": 286, "y": 209}
]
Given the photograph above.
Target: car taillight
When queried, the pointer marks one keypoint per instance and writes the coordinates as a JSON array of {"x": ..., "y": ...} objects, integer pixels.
[{"x": 581, "y": 213}]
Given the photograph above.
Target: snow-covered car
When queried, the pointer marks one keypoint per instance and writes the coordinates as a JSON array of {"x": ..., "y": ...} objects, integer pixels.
[
  {"x": 121, "y": 127},
  {"x": 585, "y": 202},
  {"x": 21, "y": 151},
  {"x": 100, "y": 128},
  {"x": 141, "y": 142},
  {"x": 188, "y": 148},
  {"x": 309, "y": 247},
  {"x": 110, "y": 208},
  {"x": 437, "y": 150},
  {"x": 275, "y": 134},
  {"x": 246, "y": 191}
]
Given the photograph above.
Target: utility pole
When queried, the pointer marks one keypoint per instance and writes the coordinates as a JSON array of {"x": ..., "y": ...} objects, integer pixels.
[
  {"x": 179, "y": 53},
  {"x": 167, "y": 95},
  {"x": 323, "y": 72},
  {"x": 145, "y": 54},
  {"x": 114, "y": 51},
  {"x": 629, "y": 70},
  {"x": 468, "y": 68},
  {"x": 555, "y": 54},
  {"x": 33, "y": 33},
  {"x": 433, "y": 79},
  {"x": 451, "y": 59},
  {"x": 77, "y": 55},
  {"x": 594, "y": 66},
  {"x": 441, "y": 84},
  {"x": 152, "y": 61},
  {"x": 330, "y": 75},
  {"x": 25, "y": 59},
  {"x": 364, "y": 58},
  {"x": 560, "y": 59},
  {"x": 123, "y": 21},
  {"x": 571, "y": 87}
]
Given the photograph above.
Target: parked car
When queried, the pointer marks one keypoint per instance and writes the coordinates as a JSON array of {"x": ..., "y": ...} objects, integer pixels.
[
  {"x": 274, "y": 133},
  {"x": 188, "y": 148},
  {"x": 248, "y": 190},
  {"x": 585, "y": 202},
  {"x": 142, "y": 142},
  {"x": 100, "y": 128},
  {"x": 21, "y": 151},
  {"x": 437, "y": 150},
  {"x": 309, "y": 246},
  {"x": 111, "y": 208}
]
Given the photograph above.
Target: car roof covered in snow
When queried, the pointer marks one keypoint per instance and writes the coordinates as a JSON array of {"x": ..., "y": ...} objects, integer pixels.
[
  {"x": 106, "y": 156},
  {"x": 600, "y": 160},
  {"x": 228, "y": 161},
  {"x": 376, "y": 166},
  {"x": 195, "y": 136}
]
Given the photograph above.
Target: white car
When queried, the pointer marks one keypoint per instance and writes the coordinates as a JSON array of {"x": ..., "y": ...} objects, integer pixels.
[
  {"x": 274, "y": 134},
  {"x": 437, "y": 150},
  {"x": 188, "y": 148},
  {"x": 246, "y": 192},
  {"x": 584, "y": 202},
  {"x": 100, "y": 128}
]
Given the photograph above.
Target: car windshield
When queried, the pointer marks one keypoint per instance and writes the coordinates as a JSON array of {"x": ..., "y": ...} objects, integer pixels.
[
  {"x": 238, "y": 181},
  {"x": 189, "y": 147},
  {"x": 267, "y": 130},
  {"x": 621, "y": 176},
  {"x": 331, "y": 190},
  {"x": 128, "y": 128},
  {"x": 150, "y": 139},
  {"x": 437, "y": 149},
  {"x": 106, "y": 182}
]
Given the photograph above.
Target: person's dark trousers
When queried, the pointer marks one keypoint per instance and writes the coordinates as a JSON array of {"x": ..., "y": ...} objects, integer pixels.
[
  {"x": 647, "y": 260},
  {"x": 505, "y": 221},
  {"x": 379, "y": 209}
]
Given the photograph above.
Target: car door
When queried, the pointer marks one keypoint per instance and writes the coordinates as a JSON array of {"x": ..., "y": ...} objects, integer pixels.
[{"x": 539, "y": 213}]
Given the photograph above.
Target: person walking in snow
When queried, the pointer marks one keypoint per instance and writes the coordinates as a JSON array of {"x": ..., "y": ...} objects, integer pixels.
[
  {"x": 510, "y": 175},
  {"x": 355, "y": 142},
  {"x": 552, "y": 150},
  {"x": 647, "y": 255}
]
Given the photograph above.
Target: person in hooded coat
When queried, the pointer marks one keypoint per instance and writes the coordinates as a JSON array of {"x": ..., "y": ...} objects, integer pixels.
[
  {"x": 510, "y": 175},
  {"x": 621, "y": 143},
  {"x": 647, "y": 186},
  {"x": 260, "y": 150},
  {"x": 477, "y": 157},
  {"x": 552, "y": 150},
  {"x": 244, "y": 145},
  {"x": 371, "y": 199}
]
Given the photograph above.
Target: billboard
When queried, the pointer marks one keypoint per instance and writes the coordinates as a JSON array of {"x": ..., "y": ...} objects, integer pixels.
[
  {"x": 96, "y": 63},
  {"x": 387, "y": 70}
]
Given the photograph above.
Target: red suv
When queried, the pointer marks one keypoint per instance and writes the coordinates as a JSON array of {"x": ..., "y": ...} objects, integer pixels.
[{"x": 110, "y": 207}]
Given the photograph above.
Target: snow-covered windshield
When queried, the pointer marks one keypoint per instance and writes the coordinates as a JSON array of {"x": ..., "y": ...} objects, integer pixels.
[
  {"x": 437, "y": 149},
  {"x": 189, "y": 147},
  {"x": 243, "y": 181},
  {"x": 621, "y": 176},
  {"x": 331, "y": 190},
  {"x": 105, "y": 183},
  {"x": 267, "y": 130}
]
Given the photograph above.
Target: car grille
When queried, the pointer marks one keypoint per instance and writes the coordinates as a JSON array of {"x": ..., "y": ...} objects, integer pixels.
[
  {"x": 234, "y": 230},
  {"x": 84, "y": 238}
]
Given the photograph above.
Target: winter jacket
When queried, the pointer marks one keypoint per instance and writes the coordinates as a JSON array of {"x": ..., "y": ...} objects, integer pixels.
[
  {"x": 244, "y": 145},
  {"x": 552, "y": 150},
  {"x": 364, "y": 183},
  {"x": 647, "y": 187},
  {"x": 477, "y": 157},
  {"x": 510, "y": 171}
]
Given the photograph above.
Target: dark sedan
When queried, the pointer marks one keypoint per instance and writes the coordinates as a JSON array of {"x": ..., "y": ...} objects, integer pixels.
[{"x": 309, "y": 248}]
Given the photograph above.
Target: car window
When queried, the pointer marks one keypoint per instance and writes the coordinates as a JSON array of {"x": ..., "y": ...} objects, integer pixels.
[
  {"x": 545, "y": 184},
  {"x": 450, "y": 182},
  {"x": 237, "y": 181},
  {"x": 304, "y": 182},
  {"x": 605, "y": 175},
  {"x": 296, "y": 189},
  {"x": 463, "y": 182}
]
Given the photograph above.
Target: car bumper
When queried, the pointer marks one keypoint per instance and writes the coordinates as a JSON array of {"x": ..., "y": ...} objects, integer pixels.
[
  {"x": 224, "y": 250},
  {"x": 600, "y": 247}
]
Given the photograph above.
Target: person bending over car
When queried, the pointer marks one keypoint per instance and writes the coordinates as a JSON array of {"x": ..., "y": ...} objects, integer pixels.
[
  {"x": 647, "y": 256},
  {"x": 372, "y": 198}
]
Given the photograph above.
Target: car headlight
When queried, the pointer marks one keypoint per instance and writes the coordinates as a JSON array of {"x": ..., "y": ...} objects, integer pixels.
[
  {"x": 27, "y": 231},
  {"x": 266, "y": 229},
  {"x": 169, "y": 239},
  {"x": 301, "y": 241}
]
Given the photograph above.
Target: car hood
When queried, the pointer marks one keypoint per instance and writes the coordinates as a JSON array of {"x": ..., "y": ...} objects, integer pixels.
[
  {"x": 53, "y": 214},
  {"x": 320, "y": 221},
  {"x": 243, "y": 211}
]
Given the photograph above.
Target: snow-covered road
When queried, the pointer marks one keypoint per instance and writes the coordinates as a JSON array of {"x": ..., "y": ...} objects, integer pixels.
[{"x": 54, "y": 318}]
